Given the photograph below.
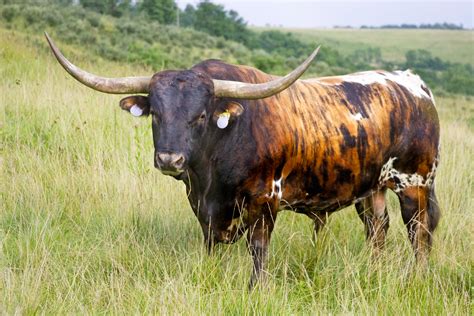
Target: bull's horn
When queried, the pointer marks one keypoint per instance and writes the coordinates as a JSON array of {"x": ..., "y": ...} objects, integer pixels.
[
  {"x": 241, "y": 90},
  {"x": 107, "y": 85}
]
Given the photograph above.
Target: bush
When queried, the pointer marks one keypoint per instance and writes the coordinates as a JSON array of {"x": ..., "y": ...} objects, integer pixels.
[
  {"x": 33, "y": 15},
  {"x": 94, "y": 20},
  {"x": 9, "y": 13},
  {"x": 453, "y": 77},
  {"x": 53, "y": 19}
]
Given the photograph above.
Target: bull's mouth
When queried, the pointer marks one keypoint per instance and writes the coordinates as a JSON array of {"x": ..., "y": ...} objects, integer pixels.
[{"x": 173, "y": 173}]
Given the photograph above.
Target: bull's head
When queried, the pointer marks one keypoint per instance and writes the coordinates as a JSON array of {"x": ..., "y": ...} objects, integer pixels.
[{"x": 182, "y": 104}]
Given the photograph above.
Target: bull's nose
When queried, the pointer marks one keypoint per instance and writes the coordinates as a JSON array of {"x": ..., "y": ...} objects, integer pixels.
[{"x": 170, "y": 161}]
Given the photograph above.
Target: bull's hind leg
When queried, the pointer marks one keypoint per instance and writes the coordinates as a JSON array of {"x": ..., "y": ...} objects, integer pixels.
[
  {"x": 420, "y": 214},
  {"x": 319, "y": 221},
  {"x": 373, "y": 213}
]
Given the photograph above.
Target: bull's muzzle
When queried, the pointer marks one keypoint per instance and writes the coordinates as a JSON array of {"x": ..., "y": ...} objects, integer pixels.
[{"x": 170, "y": 163}]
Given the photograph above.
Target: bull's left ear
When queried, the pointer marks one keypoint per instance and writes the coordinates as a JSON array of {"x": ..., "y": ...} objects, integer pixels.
[
  {"x": 227, "y": 113},
  {"x": 137, "y": 105}
]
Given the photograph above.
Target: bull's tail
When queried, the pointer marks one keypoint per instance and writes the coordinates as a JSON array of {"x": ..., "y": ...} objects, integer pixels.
[{"x": 433, "y": 209}]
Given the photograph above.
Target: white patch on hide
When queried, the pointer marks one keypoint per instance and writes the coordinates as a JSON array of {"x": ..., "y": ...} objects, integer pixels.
[
  {"x": 430, "y": 176},
  {"x": 357, "y": 116},
  {"x": 276, "y": 189},
  {"x": 407, "y": 79},
  {"x": 405, "y": 180},
  {"x": 365, "y": 78},
  {"x": 412, "y": 82}
]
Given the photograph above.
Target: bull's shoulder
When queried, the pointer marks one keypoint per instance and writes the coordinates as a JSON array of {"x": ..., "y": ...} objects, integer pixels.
[{"x": 218, "y": 69}]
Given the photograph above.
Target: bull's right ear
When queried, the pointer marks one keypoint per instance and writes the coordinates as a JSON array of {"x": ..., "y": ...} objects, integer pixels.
[{"x": 137, "y": 105}]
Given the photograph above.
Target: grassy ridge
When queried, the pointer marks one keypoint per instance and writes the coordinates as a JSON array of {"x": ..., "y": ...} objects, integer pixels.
[
  {"x": 88, "y": 226},
  {"x": 453, "y": 46}
]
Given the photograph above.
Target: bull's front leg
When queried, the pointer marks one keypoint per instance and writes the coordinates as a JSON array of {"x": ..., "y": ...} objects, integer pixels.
[
  {"x": 209, "y": 242},
  {"x": 196, "y": 200},
  {"x": 261, "y": 225}
]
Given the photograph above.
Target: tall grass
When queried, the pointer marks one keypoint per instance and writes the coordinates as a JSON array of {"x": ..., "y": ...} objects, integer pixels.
[{"x": 88, "y": 226}]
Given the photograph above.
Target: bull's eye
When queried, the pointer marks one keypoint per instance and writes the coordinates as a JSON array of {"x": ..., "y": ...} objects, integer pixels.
[
  {"x": 199, "y": 119},
  {"x": 202, "y": 117}
]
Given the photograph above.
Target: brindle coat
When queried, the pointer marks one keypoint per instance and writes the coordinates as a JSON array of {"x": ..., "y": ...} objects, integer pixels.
[{"x": 318, "y": 146}]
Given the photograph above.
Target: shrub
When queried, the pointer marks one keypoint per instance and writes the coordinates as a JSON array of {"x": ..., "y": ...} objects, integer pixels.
[{"x": 9, "y": 13}]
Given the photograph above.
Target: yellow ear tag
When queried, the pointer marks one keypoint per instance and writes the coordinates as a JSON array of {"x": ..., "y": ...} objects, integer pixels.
[{"x": 223, "y": 120}]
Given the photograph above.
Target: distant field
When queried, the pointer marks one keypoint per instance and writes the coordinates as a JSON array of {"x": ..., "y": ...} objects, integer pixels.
[
  {"x": 88, "y": 226},
  {"x": 454, "y": 46}
]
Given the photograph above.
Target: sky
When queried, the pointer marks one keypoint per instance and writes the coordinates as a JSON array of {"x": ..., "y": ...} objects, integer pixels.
[{"x": 326, "y": 13}]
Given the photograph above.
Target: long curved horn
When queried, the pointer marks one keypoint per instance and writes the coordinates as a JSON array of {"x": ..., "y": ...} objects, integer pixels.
[
  {"x": 241, "y": 90},
  {"x": 107, "y": 85}
]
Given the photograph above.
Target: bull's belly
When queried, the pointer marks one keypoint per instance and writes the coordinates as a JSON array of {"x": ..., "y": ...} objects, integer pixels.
[
  {"x": 312, "y": 205},
  {"x": 304, "y": 196}
]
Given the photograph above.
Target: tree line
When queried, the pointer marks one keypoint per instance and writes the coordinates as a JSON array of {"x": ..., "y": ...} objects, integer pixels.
[{"x": 434, "y": 26}]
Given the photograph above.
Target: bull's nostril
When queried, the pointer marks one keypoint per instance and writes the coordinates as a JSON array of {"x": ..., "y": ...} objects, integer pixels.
[
  {"x": 162, "y": 158},
  {"x": 179, "y": 161}
]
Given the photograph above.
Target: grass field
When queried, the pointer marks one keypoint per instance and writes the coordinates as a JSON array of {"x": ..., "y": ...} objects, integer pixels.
[
  {"x": 88, "y": 226},
  {"x": 454, "y": 46}
]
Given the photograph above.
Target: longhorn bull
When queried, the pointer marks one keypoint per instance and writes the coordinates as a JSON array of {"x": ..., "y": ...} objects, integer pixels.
[{"x": 247, "y": 144}]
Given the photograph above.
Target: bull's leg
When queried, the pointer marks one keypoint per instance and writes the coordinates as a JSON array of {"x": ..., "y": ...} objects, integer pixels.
[
  {"x": 258, "y": 237},
  {"x": 319, "y": 220},
  {"x": 420, "y": 213},
  {"x": 373, "y": 213},
  {"x": 209, "y": 243},
  {"x": 209, "y": 240}
]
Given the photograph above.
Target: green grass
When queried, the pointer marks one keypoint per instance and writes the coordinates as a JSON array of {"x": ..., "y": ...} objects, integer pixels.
[
  {"x": 453, "y": 46},
  {"x": 88, "y": 226}
]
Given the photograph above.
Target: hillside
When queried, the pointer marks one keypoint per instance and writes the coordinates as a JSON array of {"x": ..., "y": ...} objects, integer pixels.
[
  {"x": 123, "y": 39},
  {"x": 449, "y": 45}
]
